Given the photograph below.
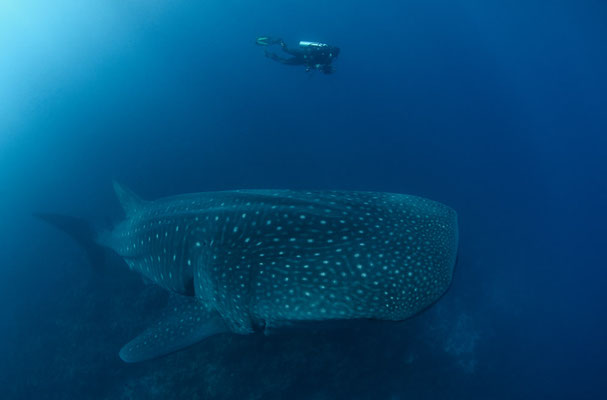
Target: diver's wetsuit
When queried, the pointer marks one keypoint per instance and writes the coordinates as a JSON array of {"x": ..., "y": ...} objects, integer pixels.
[{"x": 315, "y": 56}]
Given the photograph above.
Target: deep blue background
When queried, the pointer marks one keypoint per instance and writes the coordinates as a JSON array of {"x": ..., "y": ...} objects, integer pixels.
[{"x": 497, "y": 109}]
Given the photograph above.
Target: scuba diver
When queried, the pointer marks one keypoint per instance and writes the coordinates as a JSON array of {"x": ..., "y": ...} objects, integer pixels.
[{"x": 314, "y": 55}]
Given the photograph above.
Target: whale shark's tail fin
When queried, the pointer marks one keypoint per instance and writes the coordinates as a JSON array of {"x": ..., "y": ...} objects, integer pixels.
[{"x": 82, "y": 232}]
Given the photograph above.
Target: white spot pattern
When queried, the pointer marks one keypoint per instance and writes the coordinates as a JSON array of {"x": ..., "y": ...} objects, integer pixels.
[{"x": 260, "y": 257}]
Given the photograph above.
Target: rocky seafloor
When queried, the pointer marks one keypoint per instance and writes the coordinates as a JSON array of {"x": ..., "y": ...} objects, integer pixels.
[{"x": 67, "y": 348}]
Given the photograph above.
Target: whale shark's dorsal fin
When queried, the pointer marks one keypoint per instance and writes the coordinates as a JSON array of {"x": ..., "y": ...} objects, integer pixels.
[{"x": 129, "y": 201}]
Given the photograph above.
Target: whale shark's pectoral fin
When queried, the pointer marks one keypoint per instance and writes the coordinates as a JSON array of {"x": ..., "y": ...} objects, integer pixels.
[{"x": 182, "y": 325}]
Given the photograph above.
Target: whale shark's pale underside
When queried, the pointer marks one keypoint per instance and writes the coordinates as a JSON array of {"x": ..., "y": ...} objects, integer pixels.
[{"x": 260, "y": 259}]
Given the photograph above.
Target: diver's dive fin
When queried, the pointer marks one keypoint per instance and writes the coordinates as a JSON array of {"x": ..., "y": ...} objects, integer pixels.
[
  {"x": 267, "y": 41},
  {"x": 129, "y": 201},
  {"x": 181, "y": 326},
  {"x": 82, "y": 232}
]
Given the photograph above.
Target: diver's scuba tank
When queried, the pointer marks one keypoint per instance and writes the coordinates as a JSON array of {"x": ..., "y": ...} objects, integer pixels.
[{"x": 303, "y": 43}]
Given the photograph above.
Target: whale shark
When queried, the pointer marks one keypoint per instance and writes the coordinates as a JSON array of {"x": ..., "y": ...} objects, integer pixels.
[{"x": 243, "y": 261}]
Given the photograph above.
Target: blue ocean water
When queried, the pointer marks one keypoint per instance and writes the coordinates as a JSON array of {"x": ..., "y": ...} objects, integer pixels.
[{"x": 494, "y": 108}]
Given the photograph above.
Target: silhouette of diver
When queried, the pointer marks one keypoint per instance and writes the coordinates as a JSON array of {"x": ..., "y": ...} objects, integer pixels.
[{"x": 314, "y": 55}]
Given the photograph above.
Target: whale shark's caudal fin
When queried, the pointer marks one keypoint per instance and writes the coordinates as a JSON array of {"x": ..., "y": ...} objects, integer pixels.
[
  {"x": 82, "y": 232},
  {"x": 129, "y": 201},
  {"x": 184, "y": 322}
]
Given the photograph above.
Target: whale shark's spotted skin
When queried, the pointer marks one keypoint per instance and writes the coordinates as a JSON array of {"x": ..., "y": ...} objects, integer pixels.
[{"x": 263, "y": 258}]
